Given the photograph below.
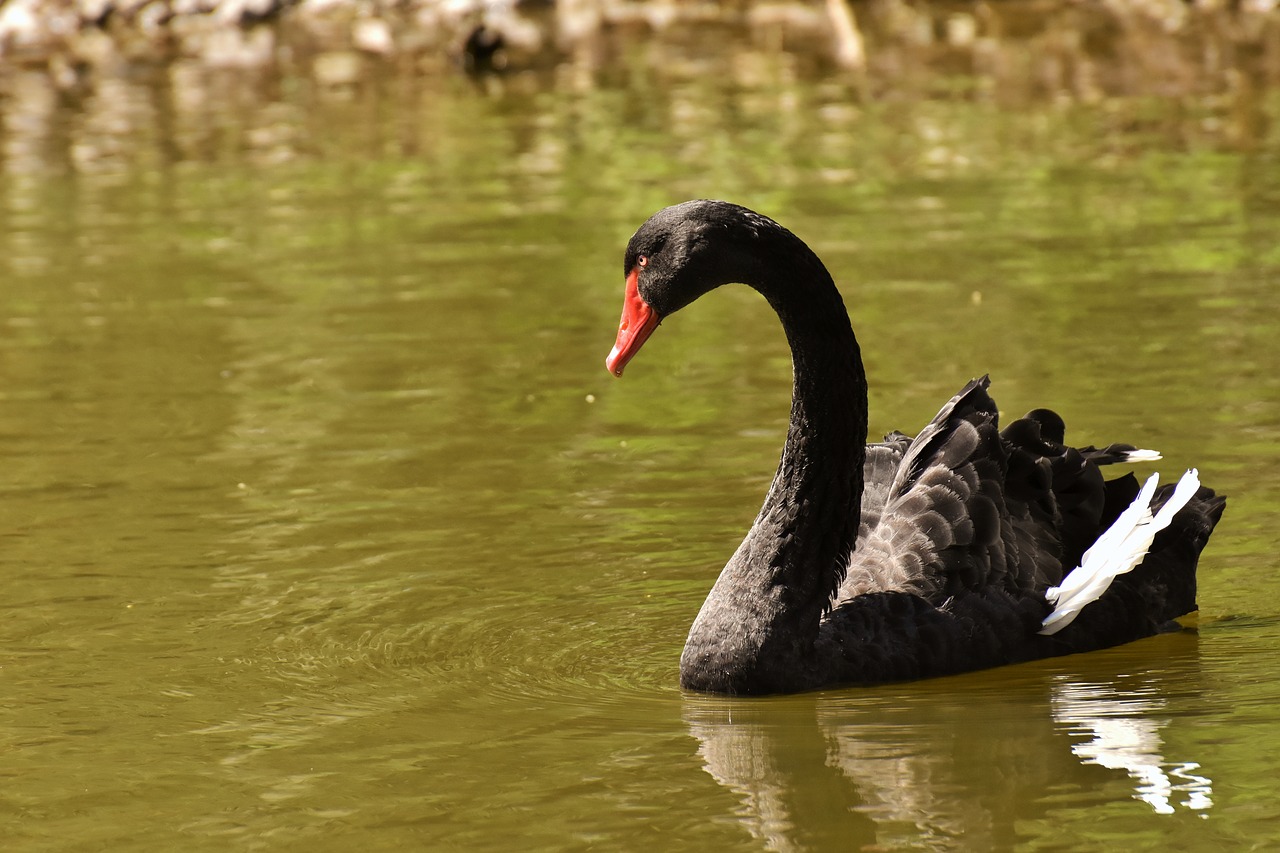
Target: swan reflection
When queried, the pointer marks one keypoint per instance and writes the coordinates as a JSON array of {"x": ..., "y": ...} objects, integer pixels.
[
  {"x": 1125, "y": 730},
  {"x": 955, "y": 764}
]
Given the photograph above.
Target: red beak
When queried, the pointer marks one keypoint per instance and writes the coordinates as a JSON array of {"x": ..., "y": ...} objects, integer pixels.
[{"x": 638, "y": 323}]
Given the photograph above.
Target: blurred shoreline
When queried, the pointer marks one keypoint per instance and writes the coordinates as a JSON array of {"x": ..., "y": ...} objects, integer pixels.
[
  {"x": 110, "y": 86},
  {"x": 1077, "y": 49}
]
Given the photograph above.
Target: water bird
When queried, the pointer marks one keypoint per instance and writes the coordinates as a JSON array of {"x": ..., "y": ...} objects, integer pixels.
[{"x": 962, "y": 548}]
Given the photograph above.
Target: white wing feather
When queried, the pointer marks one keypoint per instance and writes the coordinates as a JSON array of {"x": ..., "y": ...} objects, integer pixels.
[{"x": 1118, "y": 550}]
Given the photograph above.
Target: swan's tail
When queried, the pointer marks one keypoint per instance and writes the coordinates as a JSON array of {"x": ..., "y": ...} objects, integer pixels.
[{"x": 1117, "y": 551}]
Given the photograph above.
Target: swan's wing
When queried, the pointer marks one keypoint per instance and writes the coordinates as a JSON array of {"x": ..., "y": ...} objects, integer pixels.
[
  {"x": 878, "y": 473},
  {"x": 1145, "y": 597},
  {"x": 1052, "y": 431},
  {"x": 1118, "y": 550},
  {"x": 965, "y": 517},
  {"x": 969, "y": 507},
  {"x": 939, "y": 525},
  {"x": 1057, "y": 498},
  {"x": 1113, "y": 453}
]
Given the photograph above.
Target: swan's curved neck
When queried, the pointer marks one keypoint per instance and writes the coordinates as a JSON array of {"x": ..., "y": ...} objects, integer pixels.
[{"x": 758, "y": 625}]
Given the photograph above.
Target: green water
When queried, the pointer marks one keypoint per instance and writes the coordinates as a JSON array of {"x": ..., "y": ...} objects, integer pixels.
[{"x": 322, "y": 525}]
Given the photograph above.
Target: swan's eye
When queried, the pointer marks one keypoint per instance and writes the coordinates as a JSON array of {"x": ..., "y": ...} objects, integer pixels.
[{"x": 642, "y": 261}]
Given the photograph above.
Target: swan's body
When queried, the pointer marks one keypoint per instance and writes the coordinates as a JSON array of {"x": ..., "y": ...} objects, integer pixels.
[{"x": 913, "y": 557}]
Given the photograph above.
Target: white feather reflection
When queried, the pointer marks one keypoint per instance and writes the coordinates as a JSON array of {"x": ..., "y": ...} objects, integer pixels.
[
  {"x": 958, "y": 764},
  {"x": 1126, "y": 736}
]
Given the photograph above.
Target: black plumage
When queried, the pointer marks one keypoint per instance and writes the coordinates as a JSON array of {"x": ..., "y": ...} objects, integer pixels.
[{"x": 908, "y": 558}]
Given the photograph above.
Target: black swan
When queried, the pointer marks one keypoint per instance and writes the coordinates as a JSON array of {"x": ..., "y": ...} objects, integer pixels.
[{"x": 964, "y": 548}]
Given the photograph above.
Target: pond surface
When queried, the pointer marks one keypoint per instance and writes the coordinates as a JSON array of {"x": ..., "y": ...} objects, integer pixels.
[{"x": 322, "y": 524}]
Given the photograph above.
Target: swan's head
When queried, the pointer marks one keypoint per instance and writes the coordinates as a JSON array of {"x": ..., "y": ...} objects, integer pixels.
[{"x": 681, "y": 253}]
